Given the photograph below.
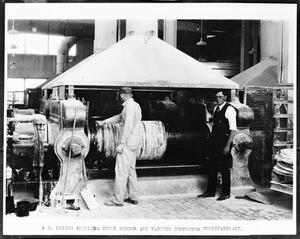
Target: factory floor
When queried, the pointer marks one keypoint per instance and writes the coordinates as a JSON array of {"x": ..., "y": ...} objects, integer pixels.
[
  {"x": 176, "y": 208},
  {"x": 191, "y": 207}
]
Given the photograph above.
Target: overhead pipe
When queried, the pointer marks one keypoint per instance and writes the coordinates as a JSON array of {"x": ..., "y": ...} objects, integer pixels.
[
  {"x": 63, "y": 53},
  {"x": 105, "y": 34},
  {"x": 272, "y": 44},
  {"x": 270, "y": 39},
  {"x": 142, "y": 27},
  {"x": 170, "y": 32}
]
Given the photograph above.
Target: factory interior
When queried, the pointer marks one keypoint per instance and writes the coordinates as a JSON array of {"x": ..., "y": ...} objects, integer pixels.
[{"x": 63, "y": 77}]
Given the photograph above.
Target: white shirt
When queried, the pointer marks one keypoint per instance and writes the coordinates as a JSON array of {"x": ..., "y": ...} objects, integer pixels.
[
  {"x": 130, "y": 119},
  {"x": 230, "y": 114}
]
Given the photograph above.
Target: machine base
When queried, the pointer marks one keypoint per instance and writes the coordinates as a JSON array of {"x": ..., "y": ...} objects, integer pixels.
[{"x": 102, "y": 189}]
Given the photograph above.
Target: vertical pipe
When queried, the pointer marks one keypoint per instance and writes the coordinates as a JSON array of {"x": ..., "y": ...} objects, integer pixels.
[
  {"x": 272, "y": 43},
  {"x": 245, "y": 96},
  {"x": 287, "y": 67},
  {"x": 255, "y": 41},
  {"x": 232, "y": 95},
  {"x": 148, "y": 27},
  {"x": 170, "y": 32},
  {"x": 71, "y": 92},
  {"x": 290, "y": 51},
  {"x": 61, "y": 93},
  {"x": 245, "y": 45},
  {"x": 105, "y": 34},
  {"x": 63, "y": 53},
  {"x": 280, "y": 57},
  {"x": 269, "y": 39}
]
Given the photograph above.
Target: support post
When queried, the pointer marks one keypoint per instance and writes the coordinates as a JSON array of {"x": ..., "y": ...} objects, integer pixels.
[{"x": 40, "y": 132}]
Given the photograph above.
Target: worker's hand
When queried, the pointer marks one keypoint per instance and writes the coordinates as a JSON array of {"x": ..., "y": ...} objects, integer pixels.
[
  {"x": 226, "y": 150},
  {"x": 101, "y": 123},
  {"x": 120, "y": 148}
]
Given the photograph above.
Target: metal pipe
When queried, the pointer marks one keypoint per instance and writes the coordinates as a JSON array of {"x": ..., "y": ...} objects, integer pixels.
[
  {"x": 63, "y": 53},
  {"x": 269, "y": 39},
  {"x": 143, "y": 27}
]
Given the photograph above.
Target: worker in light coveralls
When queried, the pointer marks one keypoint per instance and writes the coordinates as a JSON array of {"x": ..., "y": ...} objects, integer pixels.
[{"x": 129, "y": 141}]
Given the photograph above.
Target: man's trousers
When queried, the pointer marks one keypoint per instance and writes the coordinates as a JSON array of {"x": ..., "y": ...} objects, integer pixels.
[
  {"x": 125, "y": 175},
  {"x": 219, "y": 162}
]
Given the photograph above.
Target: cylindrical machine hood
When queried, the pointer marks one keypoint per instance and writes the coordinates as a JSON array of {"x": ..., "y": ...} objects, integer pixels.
[{"x": 143, "y": 61}]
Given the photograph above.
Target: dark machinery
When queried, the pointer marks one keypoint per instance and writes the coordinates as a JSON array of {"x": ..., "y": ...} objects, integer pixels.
[
  {"x": 173, "y": 133},
  {"x": 173, "y": 140}
]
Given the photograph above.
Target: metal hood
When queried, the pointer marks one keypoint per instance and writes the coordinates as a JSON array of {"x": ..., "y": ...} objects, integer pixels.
[
  {"x": 264, "y": 73},
  {"x": 142, "y": 61}
]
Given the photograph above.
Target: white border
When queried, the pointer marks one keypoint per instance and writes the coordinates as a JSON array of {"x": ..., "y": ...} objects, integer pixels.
[{"x": 151, "y": 11}]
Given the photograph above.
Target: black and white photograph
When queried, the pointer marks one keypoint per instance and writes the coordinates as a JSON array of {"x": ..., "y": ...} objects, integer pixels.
[{"x": 174, "y": 119}]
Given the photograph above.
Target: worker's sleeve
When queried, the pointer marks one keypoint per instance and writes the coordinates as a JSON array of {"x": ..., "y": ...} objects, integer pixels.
[
  {"x": 114, "y": 119},
  {"x": 128, "y": 117},
  {"x": 230, "y": 114}
]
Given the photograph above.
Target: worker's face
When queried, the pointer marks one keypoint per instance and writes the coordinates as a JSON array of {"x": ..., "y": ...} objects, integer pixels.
[
  {"x": 121, "y": 98},
  {"x": 220, "y": 98},
  {"x": 124, "y": 97}
]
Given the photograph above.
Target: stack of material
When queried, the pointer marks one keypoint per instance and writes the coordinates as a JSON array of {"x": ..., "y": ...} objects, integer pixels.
[{"x": 284, "y": 162}]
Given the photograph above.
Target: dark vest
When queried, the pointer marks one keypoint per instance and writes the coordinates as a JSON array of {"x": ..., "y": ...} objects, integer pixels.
[{"x": 220, "y": 129}]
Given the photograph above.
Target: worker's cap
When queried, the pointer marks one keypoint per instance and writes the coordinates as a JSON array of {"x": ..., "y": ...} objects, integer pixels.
[{"x": 125, "y": 90}]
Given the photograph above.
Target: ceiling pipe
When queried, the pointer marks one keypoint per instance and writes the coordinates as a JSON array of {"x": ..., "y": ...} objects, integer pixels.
[
  {"x": 105, "y": 34},
  {"x": 170, "y": 32},
  {"x": 269, "y": 39},
  {"x": 142, "y": 27},
  {"x": 63, "y": 53},
  {"x": 271, "y": 42}
]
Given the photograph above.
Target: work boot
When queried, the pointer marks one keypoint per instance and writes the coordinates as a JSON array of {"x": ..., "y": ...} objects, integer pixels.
[
  {"x": 206, "y": 195},
  {"x": 129, "y": 200},
  {"x": 112, "y": 204},
  {"x": 223, "y": 197}
]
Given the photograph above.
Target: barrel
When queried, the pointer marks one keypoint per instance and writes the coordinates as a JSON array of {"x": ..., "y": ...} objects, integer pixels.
[
  {"x": 23, "y": 208},
  {"x": 153, "y": 140}
]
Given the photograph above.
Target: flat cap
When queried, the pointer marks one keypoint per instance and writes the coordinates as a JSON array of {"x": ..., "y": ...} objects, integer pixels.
[{"x": 125, "y": 90}]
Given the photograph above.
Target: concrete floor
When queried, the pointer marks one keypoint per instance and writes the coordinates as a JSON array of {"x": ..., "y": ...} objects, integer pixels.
[
  {"x": 171, "y": 209},
  {"x": 191, "y": 207}
]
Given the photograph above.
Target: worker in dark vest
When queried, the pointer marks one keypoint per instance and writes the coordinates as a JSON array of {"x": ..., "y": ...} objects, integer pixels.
[{"x": 223, "y": 131}]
